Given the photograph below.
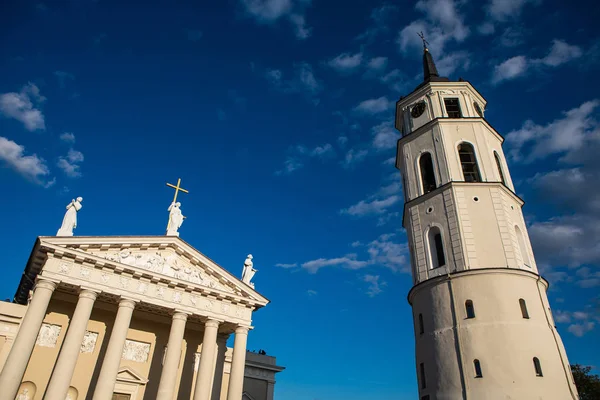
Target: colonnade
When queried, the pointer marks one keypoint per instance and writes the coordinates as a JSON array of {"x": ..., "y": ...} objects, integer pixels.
[{"x": 210, "y": 370}]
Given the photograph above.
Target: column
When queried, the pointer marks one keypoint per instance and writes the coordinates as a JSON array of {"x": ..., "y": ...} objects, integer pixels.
[
  {"x": 168, "y": 376},
  {"x": 112, "y": 358},
  {"x": 18, "y": 358},
  {"x": 206, "y": 369},
  {"x": 219, "y": 367},
  {"x": 270, "y": 390},
  {"x": 69, "y": 352},
  {"x": 238, "y": 364}
]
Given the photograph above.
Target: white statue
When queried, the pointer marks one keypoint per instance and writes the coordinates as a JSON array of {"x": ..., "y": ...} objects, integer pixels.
[
  {"x": 248, "y": 272},
  {"x": 175, "y": 219},
  {"x": 70, "y": 220},
  {"x": 24, "y": 395}
]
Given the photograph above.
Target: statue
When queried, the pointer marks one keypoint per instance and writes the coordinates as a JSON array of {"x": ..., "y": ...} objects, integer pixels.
[
  {"x": 70, "y": 220},
  {"x": 175, "y": 219},
  {"x": 248, "y": 271},
  {"x": 24, "y": 395}
]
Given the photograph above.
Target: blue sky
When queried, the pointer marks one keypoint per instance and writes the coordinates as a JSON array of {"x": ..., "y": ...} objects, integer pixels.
[{"x": 277, "y": 115}]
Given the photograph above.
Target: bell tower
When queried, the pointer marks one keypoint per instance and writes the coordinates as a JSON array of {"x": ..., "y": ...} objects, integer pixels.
[{"x": 483, "y": 325}]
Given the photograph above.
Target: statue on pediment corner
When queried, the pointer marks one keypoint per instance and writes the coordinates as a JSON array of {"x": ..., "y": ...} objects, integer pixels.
[
  {"x": 248, "y": 271},
  {"x": 175, "y": 219},
  {"x": 70, "y": 219}
]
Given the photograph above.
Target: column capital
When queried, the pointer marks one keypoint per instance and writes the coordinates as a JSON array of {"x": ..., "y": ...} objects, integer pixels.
[
  {"x": 88, "y": 293},
  {"x": 127, "y": 302},
  {"x": 180, "y": 315},
  {"x": 212, "y": 323},
  {"x": 46, "y": 284},
  {"x": 242, "y": 330}
]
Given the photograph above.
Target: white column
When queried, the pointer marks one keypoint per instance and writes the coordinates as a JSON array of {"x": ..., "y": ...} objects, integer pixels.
[
  {"x": 112, "y": 359},
  {"x": 168, "y": 376},
  {"x": 69, "y": 352},
  {"x": 219, "y": 367},
  {"x": 206, "y": 369},
  {"x": 238, "y": 364},
  {"x": 18, "y": 358}
]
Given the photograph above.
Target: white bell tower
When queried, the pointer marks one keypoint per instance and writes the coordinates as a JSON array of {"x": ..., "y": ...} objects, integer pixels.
[{"x": 483, "y": 325}]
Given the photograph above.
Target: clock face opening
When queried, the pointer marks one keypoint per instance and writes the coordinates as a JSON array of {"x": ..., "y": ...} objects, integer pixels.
[
  {"x": 418, "y": 109},
  {"x": 478, "y": 109}
]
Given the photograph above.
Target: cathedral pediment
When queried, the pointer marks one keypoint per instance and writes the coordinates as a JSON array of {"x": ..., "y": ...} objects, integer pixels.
[{"x": 160, "y": 258}]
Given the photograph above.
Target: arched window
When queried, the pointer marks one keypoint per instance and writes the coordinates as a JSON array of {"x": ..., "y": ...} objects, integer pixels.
[
  {"x": 499, "y": 165},
  {"x": 537, "y": 366},
  {"x": 421, "y": 326},
  {"x": 477, "y": 366},
  {"x": 427, "y": 174},
  {"x": 470, "y": 169},
  {"x": 470, "y": 309},
  {"x": 522, "y": 246},
  {"x": 436, "y": 248},
  {"x": 524, "y": 312},
  {"x": 422, "y": 373}
]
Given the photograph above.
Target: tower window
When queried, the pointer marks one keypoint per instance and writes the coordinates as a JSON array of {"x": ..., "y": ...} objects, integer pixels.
[
  {"x": 452, "y": 108},
  {"x": 470, "y": 169},
  {"x": 427, "y": 174},
  {"x": 421, "y": 326},
  {"x": 522, "y": 246},
  {"x": 470, "y": 309},
  {"x": 422, "y": 373},
  {"x": 499, "y": 165},
  {"x": 436, "y": 248},
  {"x": 477, "y": 367},
  {"x": 537, "y": 366},
  {"x": 523, "y": 309}
]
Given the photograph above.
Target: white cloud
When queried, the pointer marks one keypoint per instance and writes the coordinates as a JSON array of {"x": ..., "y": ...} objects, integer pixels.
[
  {"x": 286, "y": 266},
  {"x": 510, "y": 69},
  {"x": 375, "y": 285},
  {"x": 311, "y": 292},
  {"x": 386, "y": 252},
  {"x": 369, "y": 207},
  {"x": 269, "y": 11},
  {"x": 67, "y": 137},
  {"x": 561, "y": 53},
  {"x": 354, "y": 156},
  {"x": 22, "y": 107},
  {"x": 385, "y": 136},
  {"x": 374, "y": 106},
  {"x": 31, "y": 167},
  {"x": 346, "y": 62},
  {"x": 70, "y": 163},
  {"x": 302, "y": 81},
  {"x": 377, "y": 64},
  {"x": 380, "y": 17},
  {"x": 487, "y": 28},
  {"x": 451, "y": 62},
  {"x": 442, "y": 24},
  {"x": 342, "y": 140},
  {"x": 348, "y": 261},
  {"x": 565, "y": 134},
  {"x": 501, "y": 10},
  {"x": 300, "y": 153},
  {"x": 581, "y": 329}
]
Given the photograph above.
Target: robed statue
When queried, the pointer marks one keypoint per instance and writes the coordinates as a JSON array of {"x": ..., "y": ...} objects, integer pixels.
[
  {"x": 249, "y": 271},
  {"x": 70, "y": 220},
  {"x": 175, "y": 219}
]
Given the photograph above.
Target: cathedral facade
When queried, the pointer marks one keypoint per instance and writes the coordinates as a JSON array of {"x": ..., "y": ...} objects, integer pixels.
[
  {"x": 130, "y": 318},
  {"x": 482, "y": 320}
]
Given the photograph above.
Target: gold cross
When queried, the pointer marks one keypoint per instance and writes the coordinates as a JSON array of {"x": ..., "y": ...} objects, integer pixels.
[{"x": 177, "y": 189}]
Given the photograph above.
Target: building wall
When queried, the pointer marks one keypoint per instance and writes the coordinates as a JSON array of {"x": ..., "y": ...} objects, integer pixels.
[
  {"x": 144, "y": 328},
  {"x": 499, "y": 337}
]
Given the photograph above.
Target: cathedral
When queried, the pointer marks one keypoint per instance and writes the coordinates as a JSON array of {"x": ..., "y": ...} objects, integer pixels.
[
  {"x": 482, "y": 322},
  {"x": 130, "y": 318}
]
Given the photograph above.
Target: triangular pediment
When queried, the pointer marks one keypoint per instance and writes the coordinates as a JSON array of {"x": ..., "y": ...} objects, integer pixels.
[
  {"x": 128, "y": 374},
  {"x": 163, "y": 257}
]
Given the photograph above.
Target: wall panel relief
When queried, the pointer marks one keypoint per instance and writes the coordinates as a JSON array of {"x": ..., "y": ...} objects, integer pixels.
[
  {"x": 136, "y": 351},
  {"x": 89, "y": 342},
  {"x": 48, "y": 335}
]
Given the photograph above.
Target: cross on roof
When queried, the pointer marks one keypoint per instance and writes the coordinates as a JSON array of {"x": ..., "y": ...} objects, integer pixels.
[
  {"x": 425, "y": 42},
  {"x": 177, "y": 189}
]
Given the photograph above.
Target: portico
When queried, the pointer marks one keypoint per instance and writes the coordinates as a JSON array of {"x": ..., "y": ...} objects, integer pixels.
[{"x": 131, "y": 317}]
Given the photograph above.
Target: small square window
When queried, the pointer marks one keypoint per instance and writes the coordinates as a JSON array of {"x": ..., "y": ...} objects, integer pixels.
[{"x": 453, "y": 108}]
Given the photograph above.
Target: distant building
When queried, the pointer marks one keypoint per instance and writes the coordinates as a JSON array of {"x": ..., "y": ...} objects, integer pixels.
[
  {"x": 129, "y": 318},
  {"x": 483, "y": 325}
]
